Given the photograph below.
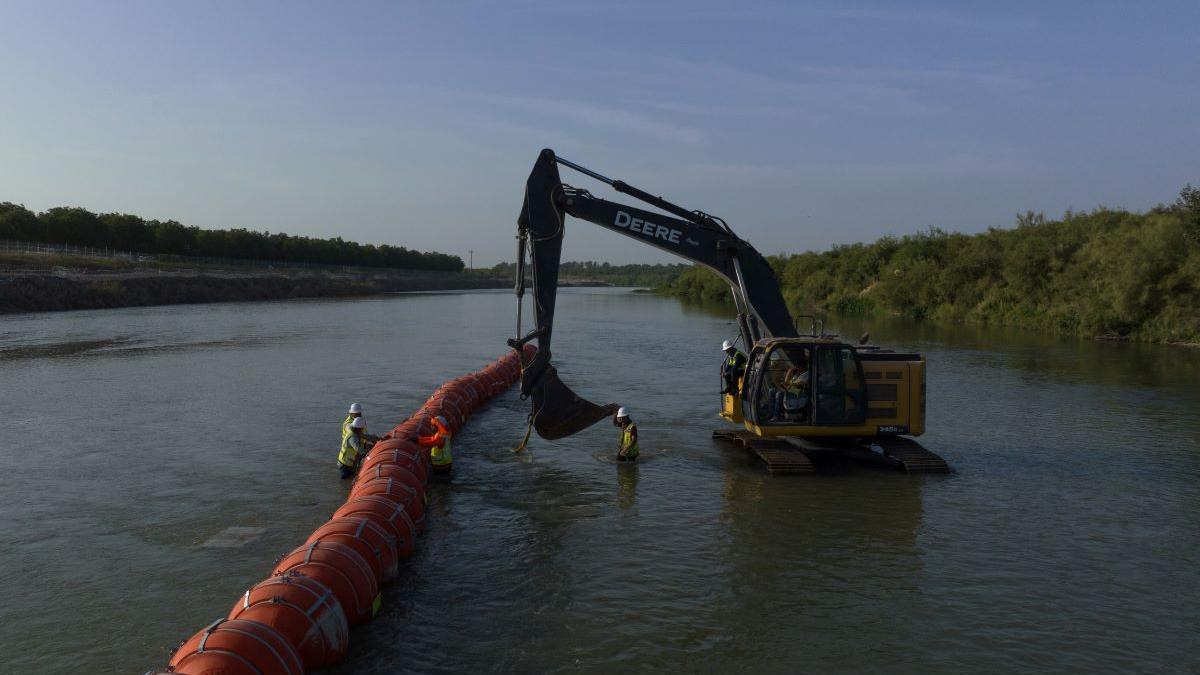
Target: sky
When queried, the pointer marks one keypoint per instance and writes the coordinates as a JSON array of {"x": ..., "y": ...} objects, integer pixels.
[{"x": 804, "y": 125}]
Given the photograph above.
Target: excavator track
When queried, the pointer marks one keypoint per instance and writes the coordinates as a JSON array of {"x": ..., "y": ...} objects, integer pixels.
[
  {"x": 912, "y": 456},
  {"x": 786, "y": 454},
  {"x": 778, "y": 455}
]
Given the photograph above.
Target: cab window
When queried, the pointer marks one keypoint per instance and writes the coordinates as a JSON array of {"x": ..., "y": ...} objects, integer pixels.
[
  {"x": 840, "y": 394},
  {"x": 783, "y": 386}
]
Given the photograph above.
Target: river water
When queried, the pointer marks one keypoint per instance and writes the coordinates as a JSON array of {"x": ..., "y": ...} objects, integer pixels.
[{"x": 1067, "y": 539}]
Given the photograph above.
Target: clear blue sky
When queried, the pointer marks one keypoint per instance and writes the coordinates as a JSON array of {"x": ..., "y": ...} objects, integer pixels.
[{"x": 803, "y": 125}]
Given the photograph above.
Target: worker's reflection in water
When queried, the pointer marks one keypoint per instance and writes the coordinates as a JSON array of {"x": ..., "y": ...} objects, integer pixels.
[{"x": 627, "y": 480}]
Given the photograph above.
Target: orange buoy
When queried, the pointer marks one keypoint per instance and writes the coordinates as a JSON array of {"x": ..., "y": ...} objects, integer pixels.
[
  {"x": 237, "y": 646},
  {"x": 386, "y": 512},
  {"x": 368, "y": 551},
  {"x": 447, "y": 411},
  {"x": 414, "y": 460},
  {"x": 397, "y": 491},
  {"x": 302, "y": 610},
  {"x": 341, "y": 569},
  {"x": 400, "y": 473},
  {"x": 375, "y": 534},
  {"x": 417, "y": 425},
  {"x": 210, "y": 662},
  {"x": 394, "y": 445}
]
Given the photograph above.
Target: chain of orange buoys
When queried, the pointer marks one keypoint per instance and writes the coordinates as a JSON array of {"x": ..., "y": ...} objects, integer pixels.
[{"x": 299, "y": 618}]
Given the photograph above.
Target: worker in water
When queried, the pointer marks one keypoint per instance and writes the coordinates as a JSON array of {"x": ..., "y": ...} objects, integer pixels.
[
  {"x": 627, "y": 451},
  {"x": 354, "y": 413},
  {"x": 439, "y": 445},
  {"x": 732, "y": 369},
  {"x": 354, "y": 446}
]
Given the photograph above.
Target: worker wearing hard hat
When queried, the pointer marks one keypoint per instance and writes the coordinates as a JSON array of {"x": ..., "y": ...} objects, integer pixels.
[
  {"x": 354, "y": 413},
  {"x": 354, "y": 446},
  {"x": 627, "y": 451},
  {"x": 438, "y": 444},
  {"x": 732, "y": 368}
]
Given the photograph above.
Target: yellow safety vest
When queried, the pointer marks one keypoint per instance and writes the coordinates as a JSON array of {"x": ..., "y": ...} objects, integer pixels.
[
  {"x": 440, "y": 455},
  {"x": 628, "y": 441},
  {"x": 346, "y": 427},
  {"x": 351, "y": 449}
]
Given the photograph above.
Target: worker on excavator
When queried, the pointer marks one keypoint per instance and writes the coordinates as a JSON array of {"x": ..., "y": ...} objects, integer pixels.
[
  {"x": 354, "y": 447},
  {"x": 732, "y": 369},
  {"x": 439, "y": 445},
  {"x": 627, "y": 451}
]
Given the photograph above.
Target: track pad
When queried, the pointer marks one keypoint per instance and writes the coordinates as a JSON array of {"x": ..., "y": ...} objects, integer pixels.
[{"x": 559, "y": 412}]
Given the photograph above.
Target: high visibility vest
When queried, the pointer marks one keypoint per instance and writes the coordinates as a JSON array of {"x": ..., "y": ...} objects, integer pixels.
[
  {"x": 351, "y": 449},
  {"x": 346, "y": 432},
  {"x": 629, "y": 441},
  {"x": 439, "y": 454}
]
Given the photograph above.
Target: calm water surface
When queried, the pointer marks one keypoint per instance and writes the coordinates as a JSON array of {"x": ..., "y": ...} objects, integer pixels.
[{"x": 1066, "y": 541}]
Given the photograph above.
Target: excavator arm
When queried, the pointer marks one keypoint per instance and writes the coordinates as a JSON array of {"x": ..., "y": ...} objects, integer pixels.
[{"x": 693, "y": 235}]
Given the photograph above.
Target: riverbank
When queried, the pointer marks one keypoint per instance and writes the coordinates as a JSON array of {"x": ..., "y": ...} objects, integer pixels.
[
  {"x": 49, "y": 283},
  {"x": 41, "y": 288}
]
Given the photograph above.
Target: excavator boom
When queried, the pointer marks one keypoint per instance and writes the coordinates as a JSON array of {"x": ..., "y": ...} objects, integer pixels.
[{"x": 693, "y": 235}]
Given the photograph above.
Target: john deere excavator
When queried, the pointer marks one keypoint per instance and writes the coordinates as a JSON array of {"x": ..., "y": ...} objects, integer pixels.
[{"x": 803, "y": 397}]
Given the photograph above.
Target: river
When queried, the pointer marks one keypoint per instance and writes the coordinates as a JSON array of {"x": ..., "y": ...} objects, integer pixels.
[{"x": 1066, "y": 540}]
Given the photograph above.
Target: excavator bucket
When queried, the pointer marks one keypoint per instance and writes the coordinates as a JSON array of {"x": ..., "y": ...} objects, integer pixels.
[{"x": 558, "y": 412}]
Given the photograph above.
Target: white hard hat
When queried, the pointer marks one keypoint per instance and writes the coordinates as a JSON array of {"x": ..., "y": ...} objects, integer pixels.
[
  {"x": 355, "y": 408},
  {"x": 726, "y": 346},
  {"x": 622, "y": 412},
  {"x": 358, "y": 423}
]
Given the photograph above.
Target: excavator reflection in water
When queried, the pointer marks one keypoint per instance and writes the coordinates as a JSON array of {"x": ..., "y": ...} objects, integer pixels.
[{"x": 802, "y": 397}]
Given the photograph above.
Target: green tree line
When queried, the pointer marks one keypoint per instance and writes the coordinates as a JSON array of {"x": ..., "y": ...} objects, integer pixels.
[
  {"x": 1103, "y": 273},
  {"x": 650, "y": 276},
  {"x": 123, "y": 232}
]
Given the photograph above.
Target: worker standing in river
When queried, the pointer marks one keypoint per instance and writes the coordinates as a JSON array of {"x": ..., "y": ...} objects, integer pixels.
[
  {"x": 627, "y": 451},
  {"x": 439, "y": 445},
  {"x": 354, "y": 446},
  {"x": 354, "y": 413},
  {"x": 732, "y": 369}
]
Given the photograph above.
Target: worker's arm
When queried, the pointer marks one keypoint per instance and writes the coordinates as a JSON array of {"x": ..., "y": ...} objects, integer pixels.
[{"x": 431, "y": 440}]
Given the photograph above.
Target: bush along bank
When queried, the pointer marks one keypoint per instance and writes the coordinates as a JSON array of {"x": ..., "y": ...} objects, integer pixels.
[{"x": 1107, "y": 273}]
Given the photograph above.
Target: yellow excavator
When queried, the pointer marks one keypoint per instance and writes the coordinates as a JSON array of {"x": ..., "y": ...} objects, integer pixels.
[{"x": 801, "y": 399}]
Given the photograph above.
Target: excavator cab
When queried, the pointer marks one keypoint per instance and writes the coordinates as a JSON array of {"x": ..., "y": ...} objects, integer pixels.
[{"x": 811, "y": 382}]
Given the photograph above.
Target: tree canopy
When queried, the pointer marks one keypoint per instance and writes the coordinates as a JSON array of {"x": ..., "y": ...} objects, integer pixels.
[{"x": 123, "y": 232}]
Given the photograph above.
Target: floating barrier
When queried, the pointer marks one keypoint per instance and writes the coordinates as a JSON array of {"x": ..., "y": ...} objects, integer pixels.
[
  {"x": 304, "y": 611},
  {"x": 341, "y": 569},
  {"x": 299, "y": 618},
  {"x": 237, "y": 646}
]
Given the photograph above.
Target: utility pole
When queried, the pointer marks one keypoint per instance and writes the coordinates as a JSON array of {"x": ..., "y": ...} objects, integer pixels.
[{"x": 472, "y": 257}]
